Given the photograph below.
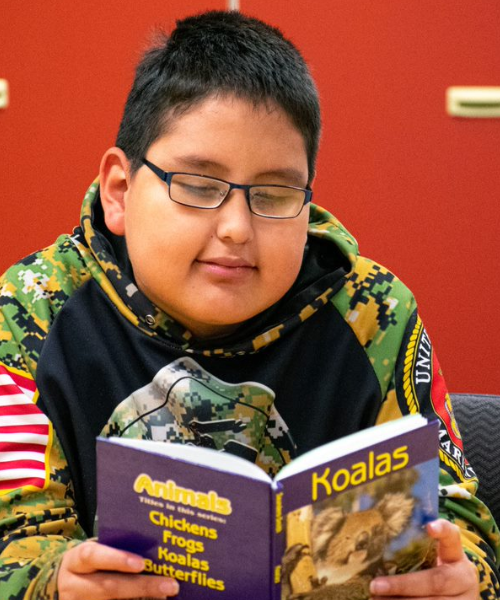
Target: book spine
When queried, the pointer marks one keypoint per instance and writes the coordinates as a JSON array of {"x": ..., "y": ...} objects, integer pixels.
[{"x": 278, "y": 539}]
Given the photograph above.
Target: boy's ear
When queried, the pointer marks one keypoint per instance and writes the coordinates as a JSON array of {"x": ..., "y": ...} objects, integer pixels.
[{"x": 114, "y": 182}]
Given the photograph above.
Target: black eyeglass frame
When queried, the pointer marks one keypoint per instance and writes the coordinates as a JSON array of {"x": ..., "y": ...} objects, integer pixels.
[{"x": 166, "y": 177}]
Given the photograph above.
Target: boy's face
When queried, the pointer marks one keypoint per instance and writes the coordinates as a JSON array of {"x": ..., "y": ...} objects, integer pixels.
[{"x": 214, "y": 269}]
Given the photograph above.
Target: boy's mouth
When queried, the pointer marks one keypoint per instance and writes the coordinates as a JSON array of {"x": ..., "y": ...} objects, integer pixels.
[
  {"x": 234, "y": 262},
  {"x": 226, "y": 267}
]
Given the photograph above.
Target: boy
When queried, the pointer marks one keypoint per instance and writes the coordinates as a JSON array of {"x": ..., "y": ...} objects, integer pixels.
[{"x": 201, "y": 264}]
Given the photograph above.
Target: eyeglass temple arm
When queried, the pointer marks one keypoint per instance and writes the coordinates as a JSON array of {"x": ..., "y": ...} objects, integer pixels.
[{"x": 156, "y": 170}]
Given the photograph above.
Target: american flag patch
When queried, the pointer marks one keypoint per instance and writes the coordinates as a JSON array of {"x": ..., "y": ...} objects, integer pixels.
[{"x": 25, "y": 434}]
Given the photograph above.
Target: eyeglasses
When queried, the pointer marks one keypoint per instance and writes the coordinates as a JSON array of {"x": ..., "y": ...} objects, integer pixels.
[{"x": 199, "y": 191}]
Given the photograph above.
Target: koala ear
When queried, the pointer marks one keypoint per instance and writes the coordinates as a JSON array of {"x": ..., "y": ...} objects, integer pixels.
[
  {"x": 325, "y": 525},
  {"x": 396, "y": 510}
]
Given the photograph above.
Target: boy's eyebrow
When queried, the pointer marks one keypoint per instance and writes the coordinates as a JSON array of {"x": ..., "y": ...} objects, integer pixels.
[{"x": 198, "y": 163}]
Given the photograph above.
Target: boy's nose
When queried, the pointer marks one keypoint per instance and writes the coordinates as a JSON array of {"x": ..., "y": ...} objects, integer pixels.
[{"x": 235, "y": 221}]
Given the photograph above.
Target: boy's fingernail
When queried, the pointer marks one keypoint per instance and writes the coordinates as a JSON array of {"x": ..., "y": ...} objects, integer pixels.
[
  {"x": 435, "y": 526},
  {"x": 135, "y": 563},
  {"x": 170, "y": 587},
  {"x": 379, "y": 586}
]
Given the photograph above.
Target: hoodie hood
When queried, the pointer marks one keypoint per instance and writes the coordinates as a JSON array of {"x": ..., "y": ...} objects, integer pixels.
[{"x": 330, "y": 255}]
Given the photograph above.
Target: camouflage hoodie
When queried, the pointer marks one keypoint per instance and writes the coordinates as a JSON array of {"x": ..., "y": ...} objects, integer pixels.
[{"x": 83, "y": 352}]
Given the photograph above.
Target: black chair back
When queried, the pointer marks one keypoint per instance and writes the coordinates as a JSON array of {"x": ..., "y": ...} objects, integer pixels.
[{"x": 478, "y": 418}]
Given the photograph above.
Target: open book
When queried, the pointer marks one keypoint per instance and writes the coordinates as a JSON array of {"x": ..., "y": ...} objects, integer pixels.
[{"x": 332, "y": 519}]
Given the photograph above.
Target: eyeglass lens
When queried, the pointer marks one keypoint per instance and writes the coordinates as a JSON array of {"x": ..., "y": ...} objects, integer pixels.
[{"x": 203, "y": 192}]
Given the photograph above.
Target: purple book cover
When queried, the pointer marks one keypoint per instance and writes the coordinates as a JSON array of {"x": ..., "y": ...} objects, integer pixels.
[
  {"x": 209, "y": 529},
  {"x": 359, "y": 516},
  {"x": 330, "y": 524}
]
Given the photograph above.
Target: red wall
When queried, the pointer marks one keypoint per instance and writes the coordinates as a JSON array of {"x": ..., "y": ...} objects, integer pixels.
[
  {"x": 69, "y": 66},
  {"x": 418, "y": 188}
]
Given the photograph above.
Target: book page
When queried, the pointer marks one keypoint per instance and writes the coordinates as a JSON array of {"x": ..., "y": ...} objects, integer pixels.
[
  {"x": 220, "y": 461},
  {"x": 351, "y": 443}
]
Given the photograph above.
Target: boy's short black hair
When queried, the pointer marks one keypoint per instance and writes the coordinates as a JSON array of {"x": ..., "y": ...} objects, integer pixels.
[{"x": 225, "y": 53}]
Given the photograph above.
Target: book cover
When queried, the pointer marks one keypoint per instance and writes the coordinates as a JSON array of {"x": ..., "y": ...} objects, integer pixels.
[
  {"x": 360, "y": 516},
  {"x": 331, "y": 520}
]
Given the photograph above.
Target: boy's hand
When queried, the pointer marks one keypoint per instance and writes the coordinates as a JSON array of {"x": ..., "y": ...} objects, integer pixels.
[
  {"x": 454, "y": 574},
  {"x": 92, "y": 571}
]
